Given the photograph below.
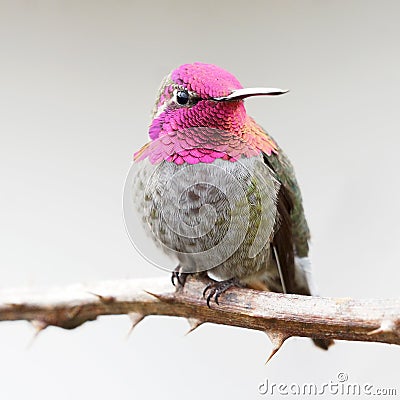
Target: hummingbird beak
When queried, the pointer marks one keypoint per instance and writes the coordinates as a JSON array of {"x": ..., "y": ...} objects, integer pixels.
[{"x": 240, "y": 94}]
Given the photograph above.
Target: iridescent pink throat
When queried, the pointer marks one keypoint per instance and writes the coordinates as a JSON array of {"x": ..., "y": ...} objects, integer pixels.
[{"x": 205, "y": 145}]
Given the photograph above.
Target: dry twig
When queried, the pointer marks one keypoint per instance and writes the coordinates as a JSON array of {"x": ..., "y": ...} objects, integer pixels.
[{"x": 280, "y": 316}]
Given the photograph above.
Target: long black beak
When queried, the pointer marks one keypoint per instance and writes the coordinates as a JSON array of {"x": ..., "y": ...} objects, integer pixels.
[{"x": 240, "y": 94}]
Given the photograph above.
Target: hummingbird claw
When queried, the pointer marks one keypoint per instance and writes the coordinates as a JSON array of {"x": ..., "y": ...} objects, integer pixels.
[
  {"x": 179, "y": 276},
  {"x": 217, "y": 288},
  {"x": 205, "y": 290},
  {"x": 209, "y": 299}
]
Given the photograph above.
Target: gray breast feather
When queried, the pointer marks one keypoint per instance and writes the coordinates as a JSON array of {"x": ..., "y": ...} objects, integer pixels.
[{"x": 218, "y": 216}]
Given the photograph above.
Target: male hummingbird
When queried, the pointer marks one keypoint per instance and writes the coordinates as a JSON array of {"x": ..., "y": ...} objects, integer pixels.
[{"x": 215, "y": 190}]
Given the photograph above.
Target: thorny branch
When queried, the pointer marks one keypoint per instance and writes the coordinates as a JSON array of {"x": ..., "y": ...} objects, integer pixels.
[{"x": 280, "y": 316}]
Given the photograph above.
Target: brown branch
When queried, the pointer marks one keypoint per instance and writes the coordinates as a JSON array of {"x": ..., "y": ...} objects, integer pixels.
[{"x": 280, "y": 316}]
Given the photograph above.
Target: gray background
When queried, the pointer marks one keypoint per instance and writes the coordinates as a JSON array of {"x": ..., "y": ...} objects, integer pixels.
[{"x": 77, "y": 82}]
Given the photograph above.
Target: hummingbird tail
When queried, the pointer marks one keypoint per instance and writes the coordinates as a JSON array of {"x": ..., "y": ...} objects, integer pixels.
[{"x": 323, "y": 344}]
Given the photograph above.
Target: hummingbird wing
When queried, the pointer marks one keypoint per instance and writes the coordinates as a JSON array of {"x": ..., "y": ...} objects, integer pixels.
[
  {"x": 291, "y": 231},
  {"x": 284, "y": 171}
]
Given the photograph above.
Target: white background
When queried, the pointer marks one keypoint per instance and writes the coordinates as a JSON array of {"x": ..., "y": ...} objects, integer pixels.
[{"x": 77, "y": 83}]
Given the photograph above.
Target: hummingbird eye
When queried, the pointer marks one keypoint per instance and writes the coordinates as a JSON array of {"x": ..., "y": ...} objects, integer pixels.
[{"x": 182, "y": 97}]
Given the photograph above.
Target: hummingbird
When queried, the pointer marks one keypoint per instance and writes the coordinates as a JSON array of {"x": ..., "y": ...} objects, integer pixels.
[{"x": 214, "y": 189}]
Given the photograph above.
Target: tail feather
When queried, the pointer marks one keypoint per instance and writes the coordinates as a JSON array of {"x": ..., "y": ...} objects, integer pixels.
[
  {"x": 323, "y": 344},
  {"x": 304, "y": 278}
]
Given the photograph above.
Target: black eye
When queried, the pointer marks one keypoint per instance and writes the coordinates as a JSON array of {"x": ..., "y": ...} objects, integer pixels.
[{"x": 182, "y": 97}]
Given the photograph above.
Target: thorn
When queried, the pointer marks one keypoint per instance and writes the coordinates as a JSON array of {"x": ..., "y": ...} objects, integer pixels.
[
  {"x": 39, "y": 326},
  {"x": 161, "y": 297},
  {"x": 387, "y": 326},
  {"x": 135, "y": 318},
  {"x": 277, "y": 339},
  {"x": 103, "y": 299},
  {"x": 194, "y": 323}
]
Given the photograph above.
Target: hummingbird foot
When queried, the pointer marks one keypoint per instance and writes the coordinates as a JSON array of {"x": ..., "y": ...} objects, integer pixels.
[
  {"x": 215, "y": 289},
  {"x": 179, "y": 276}
]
